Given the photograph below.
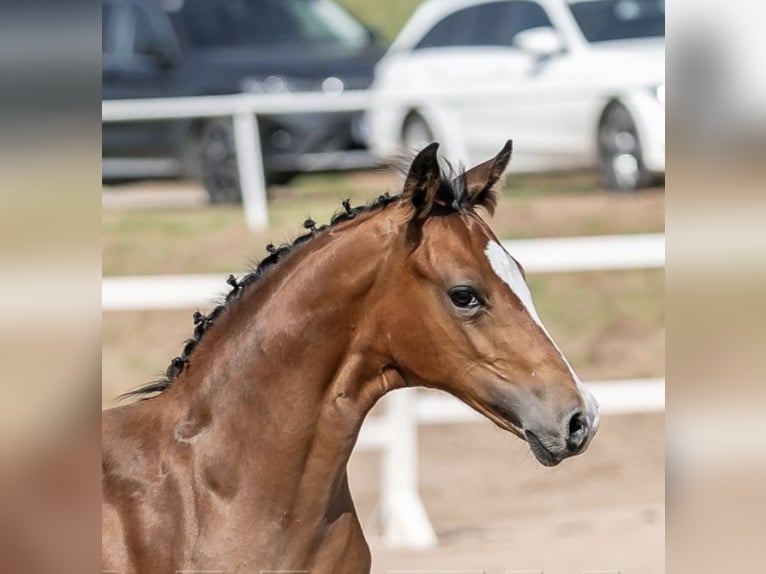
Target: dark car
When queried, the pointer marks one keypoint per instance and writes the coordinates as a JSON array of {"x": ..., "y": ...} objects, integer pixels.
[{"x": 175, "y": 48}]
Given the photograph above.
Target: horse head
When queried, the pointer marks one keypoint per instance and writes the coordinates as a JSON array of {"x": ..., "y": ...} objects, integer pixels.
[{"x": 460, "y": 318}]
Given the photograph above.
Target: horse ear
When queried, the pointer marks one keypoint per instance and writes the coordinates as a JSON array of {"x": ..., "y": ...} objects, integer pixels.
[
  {"x": 423, "y": 180},
  {"x": 481, "y": 179}
]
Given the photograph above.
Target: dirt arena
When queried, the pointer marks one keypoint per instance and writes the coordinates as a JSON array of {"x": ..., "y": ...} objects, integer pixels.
[{"x": 497, "y": 511}]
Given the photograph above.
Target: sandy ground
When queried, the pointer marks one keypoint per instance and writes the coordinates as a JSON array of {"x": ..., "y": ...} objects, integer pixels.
[
  {"x": 496, "y": 510},
  {"x": 153, "y": 195}
]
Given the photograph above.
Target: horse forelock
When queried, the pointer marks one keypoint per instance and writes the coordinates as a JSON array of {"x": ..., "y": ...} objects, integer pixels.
[
  {"x": 453, "y": 195},
  {"x": 453, "y": 188}
]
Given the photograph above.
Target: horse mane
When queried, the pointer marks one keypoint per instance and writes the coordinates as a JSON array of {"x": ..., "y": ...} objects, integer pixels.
[{"x": 452, "y": 193}]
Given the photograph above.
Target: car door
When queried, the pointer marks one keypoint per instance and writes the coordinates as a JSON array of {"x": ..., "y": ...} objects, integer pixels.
[
  {"x": 139, "y": 60},
  {"x": 542, "y": 102},
  {"x": 452, "y": 56},
  {"x": 512, "y": 93}
]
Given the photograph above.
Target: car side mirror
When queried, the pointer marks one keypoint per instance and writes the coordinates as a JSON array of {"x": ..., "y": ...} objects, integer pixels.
[{"x": 541, "y": 42}]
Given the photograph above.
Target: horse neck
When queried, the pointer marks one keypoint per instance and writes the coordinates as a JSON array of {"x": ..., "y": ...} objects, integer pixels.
[{"x": 284, "y": 379}]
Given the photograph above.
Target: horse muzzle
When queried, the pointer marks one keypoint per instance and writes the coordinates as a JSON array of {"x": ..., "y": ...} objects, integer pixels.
[{"x": 578, "y": 430}]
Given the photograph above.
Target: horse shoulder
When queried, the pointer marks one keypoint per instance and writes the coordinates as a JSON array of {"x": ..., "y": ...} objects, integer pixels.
[{"x": 135, "y": 484}]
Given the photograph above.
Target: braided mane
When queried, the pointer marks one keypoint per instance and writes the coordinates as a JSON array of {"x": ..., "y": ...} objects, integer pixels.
[{"x": 452, "y": 189}]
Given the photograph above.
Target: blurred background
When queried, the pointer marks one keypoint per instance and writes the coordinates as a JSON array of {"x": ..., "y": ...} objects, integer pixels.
[
  {"x": 579, "y": 86},
  {"x": 584, "y": 168}
]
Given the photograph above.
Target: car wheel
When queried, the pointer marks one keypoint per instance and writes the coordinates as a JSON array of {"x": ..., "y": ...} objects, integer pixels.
[
  {"x": 620, "y": 160},
  {"x": 416, "y": 133},
  {"x": 218, "y": 161}
]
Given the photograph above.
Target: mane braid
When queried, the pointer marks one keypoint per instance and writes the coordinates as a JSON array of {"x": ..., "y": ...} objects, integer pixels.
[{"x": 452, "y": 189}]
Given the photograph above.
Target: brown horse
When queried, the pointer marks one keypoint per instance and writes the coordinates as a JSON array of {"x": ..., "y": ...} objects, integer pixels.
[{"x": 237, "y": 463}]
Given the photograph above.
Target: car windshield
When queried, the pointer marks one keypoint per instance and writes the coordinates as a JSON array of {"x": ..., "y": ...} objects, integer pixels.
[
  {"x": 264, "y": 23},
  {"x": 604, "y": 20}
]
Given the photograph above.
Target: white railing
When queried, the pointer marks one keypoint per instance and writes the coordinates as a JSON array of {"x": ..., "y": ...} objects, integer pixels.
[
  {"x": 395, "y": 432},
  {"x": 593, "y": 253},
  {"x": 244, "y": 110}
]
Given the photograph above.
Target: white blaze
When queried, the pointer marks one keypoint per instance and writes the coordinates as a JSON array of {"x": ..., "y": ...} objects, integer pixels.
[{"x": 508, "y": 271}]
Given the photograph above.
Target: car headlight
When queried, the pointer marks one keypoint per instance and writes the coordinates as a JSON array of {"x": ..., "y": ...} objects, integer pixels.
[{"x": 659, "y": 92}]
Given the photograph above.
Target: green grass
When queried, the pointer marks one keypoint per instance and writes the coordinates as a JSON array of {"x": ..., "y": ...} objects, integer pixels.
[
  {"x": 386, "y": 17},
  {"x": 609, "y": 324},
  {"x": 528, "y": 186}
]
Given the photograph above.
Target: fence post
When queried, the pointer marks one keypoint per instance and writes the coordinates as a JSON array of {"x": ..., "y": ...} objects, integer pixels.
[
  {"x": 405, "y": 521},
  {"x": 252, "y": 179}
]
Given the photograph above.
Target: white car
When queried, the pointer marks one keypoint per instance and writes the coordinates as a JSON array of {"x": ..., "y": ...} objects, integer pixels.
[{"x": 575, "y": 84}]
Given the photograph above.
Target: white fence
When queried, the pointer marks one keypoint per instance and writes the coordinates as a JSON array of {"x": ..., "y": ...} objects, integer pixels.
[
  {"x": 395, "y": 432},
  {"x": 244, "y": 110},
  {"x": 537, "y": 256}
]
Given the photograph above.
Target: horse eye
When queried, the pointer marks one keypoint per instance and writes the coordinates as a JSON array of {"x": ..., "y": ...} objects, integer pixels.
[{"x": 464, "y": 298}]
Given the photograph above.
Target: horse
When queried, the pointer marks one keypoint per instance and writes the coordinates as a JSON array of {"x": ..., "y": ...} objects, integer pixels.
[{"x": 236, "y": 461}]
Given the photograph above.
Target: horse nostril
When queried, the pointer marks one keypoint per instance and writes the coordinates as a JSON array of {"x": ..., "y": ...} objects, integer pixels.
[{"x": 578, "y": 431}]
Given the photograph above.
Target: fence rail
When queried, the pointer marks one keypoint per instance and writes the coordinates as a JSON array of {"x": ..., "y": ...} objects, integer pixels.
[
  {"x": 244, "y": 110},
  {"x": 537, "y": 255}
]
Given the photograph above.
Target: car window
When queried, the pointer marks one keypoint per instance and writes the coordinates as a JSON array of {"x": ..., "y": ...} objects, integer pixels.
[
  {"x": 489, "y": 24},
  {"x": 135, "y": 33},
  {"x": 254, "y": 23},
  {"x": 604, "y": 20},
  {"x": 145, "y": 38},
  {"x": 520, "y": 16}
]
